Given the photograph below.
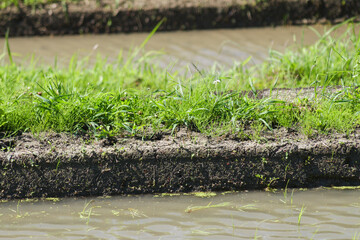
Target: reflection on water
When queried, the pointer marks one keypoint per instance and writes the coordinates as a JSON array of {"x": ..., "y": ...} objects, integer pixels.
[
  {"x": 202, "y": 48},
  {"x": 326, "y": 214}
]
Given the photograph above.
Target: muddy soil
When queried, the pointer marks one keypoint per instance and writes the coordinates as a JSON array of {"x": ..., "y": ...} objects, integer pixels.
[
  {"x": 59, "y": 165},
  {"x": 105, "y": 16}
]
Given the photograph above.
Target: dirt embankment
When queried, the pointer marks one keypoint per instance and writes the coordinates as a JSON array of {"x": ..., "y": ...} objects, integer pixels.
[
  {"x": 58, "y": 165},
  {"x": 105, "y": 16}
]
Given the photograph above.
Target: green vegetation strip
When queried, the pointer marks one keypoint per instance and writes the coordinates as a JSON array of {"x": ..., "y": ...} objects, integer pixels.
[
  {"x": 7, "y": 3},
  {"x": 135, "y": 96}
]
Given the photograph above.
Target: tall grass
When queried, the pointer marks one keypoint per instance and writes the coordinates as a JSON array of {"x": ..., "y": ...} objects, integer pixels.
[
  {"x": 134, "y": 96},
  {"x": 330, "y": 61}
]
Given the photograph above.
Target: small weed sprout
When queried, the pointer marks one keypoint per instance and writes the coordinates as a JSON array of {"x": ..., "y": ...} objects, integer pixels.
[
  {"x": 18, "y": 212},
  {"x": 86, "y": 213},
  {"x": 285, "y": 192},
  {"x": 191, "y": 209},
  {"x": 302, "y": 210},
  {"x": 356, "y": 236},
  {"x": 285, "y": 200}
]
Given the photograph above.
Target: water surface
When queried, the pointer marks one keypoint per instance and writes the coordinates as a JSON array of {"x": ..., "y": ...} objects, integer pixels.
[
  {"x": 202, "y": 48},
  {"x": 327, "y": 214}
]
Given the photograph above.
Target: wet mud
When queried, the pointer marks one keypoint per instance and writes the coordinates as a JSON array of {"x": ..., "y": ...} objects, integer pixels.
[{"x": 102, "y": 16}]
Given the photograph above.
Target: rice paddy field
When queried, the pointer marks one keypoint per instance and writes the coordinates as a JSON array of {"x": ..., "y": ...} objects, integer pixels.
[{"x": 135, "y": 96}]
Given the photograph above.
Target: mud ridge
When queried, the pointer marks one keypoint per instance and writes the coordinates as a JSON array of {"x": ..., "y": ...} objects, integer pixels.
[
  {"x": 104, "y": 16},
  {"x": 59, "y": 165}
]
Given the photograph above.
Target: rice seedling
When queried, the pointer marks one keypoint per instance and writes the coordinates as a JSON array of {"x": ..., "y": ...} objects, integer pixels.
[
  {"x": 245, "y": 207},
  {"x": 316, "y": 231},
  {"x": 200, "y": 232},
  {"x": 202, "y": 194},
  {"x": 255, "y": 235},
  {"x": 286, "y": 196},
  {"x": 191, "y": 209},
  {"x": 18, "y": 213},
  {"x": 133, "y": 212},
  {"x": 343, "y": 187},
  {"x": 87, "y": 211},
  {"x": 52, "y": 199},
  {"x": 136, "y": 213},
  {"x": 302, "y": 210}
]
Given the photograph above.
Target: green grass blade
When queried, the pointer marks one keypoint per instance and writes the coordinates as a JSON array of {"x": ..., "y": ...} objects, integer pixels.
[
  {"x": 8, "y": 45},
  {"x": 152, "y": 33}
]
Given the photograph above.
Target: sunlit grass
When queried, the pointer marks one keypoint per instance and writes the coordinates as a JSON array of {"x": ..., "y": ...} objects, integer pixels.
[
  {"x": 135, "y": 96},
  {"x": 7, "y": 3}
]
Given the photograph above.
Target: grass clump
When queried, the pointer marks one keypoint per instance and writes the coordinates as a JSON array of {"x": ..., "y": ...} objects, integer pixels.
[
  {"x": 330, "y": 61},
  {"x": 134, "y": 95}
]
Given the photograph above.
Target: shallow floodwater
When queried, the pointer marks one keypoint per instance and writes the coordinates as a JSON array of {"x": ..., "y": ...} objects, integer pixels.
[
  {"x": 202, "y": 48},
  {"x": 311, "y": 214}
]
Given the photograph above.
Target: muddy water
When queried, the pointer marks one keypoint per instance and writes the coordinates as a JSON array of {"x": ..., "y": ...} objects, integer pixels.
[
  {"x": 324, "y": 214},
  {"x": 202, "y": 48}
]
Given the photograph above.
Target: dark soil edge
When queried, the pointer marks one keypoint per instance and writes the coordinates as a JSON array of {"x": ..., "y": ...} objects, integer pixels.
[
  {"x": 57, "y": 19},
  {"x": 59, "y": 165}
]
